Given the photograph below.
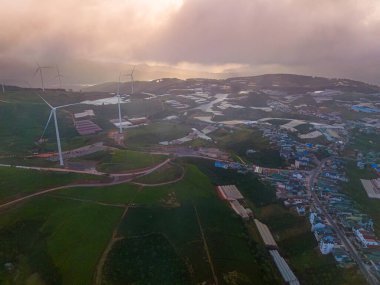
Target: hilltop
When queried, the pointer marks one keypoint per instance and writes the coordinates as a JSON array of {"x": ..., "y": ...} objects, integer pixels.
[{"x": 290, "y": 83}]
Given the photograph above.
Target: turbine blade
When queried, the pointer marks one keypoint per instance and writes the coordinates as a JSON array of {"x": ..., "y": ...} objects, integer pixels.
[
  {"x": 47, "y": 124},
  {"x": 46, "y": 102},
  {"x": 67, "y": 105}
]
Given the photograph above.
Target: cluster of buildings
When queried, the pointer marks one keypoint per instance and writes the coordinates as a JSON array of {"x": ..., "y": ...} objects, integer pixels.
[
  {"x": 370, "y": 159},
  {"x": 291, "y": 190},
  {"x": 278, "y": 106},
  {"x": 357, "y": 225},
  {"x": 327, "y": 239},
  {"x": 367, "y": 125},
  {"x": 177, "y": 105},
  {"x": 299, "y": 155}
]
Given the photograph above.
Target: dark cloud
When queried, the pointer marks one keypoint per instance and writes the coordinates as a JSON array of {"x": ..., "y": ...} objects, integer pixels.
[
  {"x": 326, "y": 37},
  {"x": 331, "y": 37}
]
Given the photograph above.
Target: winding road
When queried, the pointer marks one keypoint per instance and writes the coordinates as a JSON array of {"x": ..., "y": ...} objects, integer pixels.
[{"x": 126, "y": 177}]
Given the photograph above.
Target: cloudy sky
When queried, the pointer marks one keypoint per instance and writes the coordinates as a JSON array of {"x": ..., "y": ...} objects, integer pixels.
[{"x": 91, "y": 40}]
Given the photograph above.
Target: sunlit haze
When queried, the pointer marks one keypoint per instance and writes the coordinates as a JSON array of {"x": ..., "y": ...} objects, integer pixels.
[{"x": 93, "y": 39}]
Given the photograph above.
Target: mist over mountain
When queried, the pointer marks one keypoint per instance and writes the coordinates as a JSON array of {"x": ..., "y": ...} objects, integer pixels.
[{"x": 285, "y": 82}]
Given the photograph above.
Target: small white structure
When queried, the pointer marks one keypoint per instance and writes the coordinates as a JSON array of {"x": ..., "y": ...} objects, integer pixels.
[
  {"x": 86, "y": 113},
  {"x": 229, "y": 192},
  {"x": 326, "y": 246},
  {"x": 366, "y": 238}
]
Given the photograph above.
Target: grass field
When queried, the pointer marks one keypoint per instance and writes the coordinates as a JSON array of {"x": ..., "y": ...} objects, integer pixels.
[
  {"x": 233, "y": 253},
  {"x": 153, "y": 253},
  {"x": 155, "y": 133},
  {"x": 123, "y": 160},
  {"x": 117, "y": 194},
  {"x": 17, "y": 182},
  {"x": 54, "y": 241},
  {"x": 19, "y": 135},
  {"x": 364, "y": 142},
  {"x": 239, "y": 141},
  {"x": 164, "y": 174}
]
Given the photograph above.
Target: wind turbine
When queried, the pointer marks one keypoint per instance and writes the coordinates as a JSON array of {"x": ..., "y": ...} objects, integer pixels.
[
  {"x": 59, "y": 75},
  {"x": 118, "y": 102},
  {"x": 2, "y": 85},
  {"x": 131, "y": 75},
  {"x": 53, "y": 113},
  {"x": 39, "y": 70}
]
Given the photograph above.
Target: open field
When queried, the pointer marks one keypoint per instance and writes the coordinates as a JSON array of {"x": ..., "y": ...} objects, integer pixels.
[
  {"x": 234, "y": 255},
  {"x": 17, "y": 182},
  {"x": 21, "y": 123},
  {"x": 153, "y": 252},
  {"x": 364, "y": 142},
  {"x": 122, "y": 160},
  {"x": 155, "y": 133},
  {"x": 116, "y": 194},
  {"x": 239, "y": 141},
  {"x": 55, "y": 241},
  {"x": 166, "y": 173}
]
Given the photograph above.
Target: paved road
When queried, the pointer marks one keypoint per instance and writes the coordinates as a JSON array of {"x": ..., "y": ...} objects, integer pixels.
[
  {"x": 342, "y": 236},
  {"x": 127, "y": 177},
  {"x": 92, "y": 172}
]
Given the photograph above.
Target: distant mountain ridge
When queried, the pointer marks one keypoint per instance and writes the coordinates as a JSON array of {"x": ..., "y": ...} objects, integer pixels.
[{"x": 287, "y": 82}]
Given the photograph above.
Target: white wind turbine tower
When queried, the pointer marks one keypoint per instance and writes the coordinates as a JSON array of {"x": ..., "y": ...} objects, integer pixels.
[
  {"x": 2, "y": 85},
  {"x": 59, "y": 76},
  {"x": 118, "y": 102},
  {"x": 53, "y": 113},
  {"x": 131, "y": 75},
  {"x": 39, "y": 69}
]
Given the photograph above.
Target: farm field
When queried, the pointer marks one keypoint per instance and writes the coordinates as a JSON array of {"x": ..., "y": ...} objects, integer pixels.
[
  {"x": 123, "y": 160},
  {"x": 167, "y": 173},
  {"x": 17, "y": 182},
  {"x": 46, "y": 240},
  {"x": 116, "y": 194},
  {"x": 239, "y": 141},
  {"x": 155, "y": 133},
  {"x": 167, "y": 221},
  {"x": 170, "y": 213}
]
